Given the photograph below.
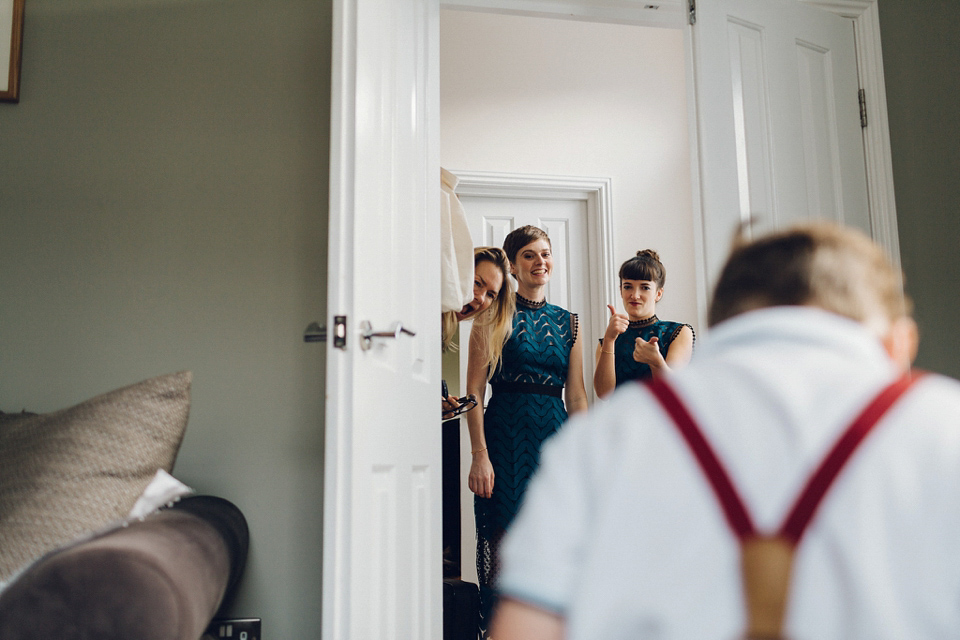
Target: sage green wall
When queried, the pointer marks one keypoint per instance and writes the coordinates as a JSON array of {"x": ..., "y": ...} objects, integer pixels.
[
  {"x": 163, "y": 206},
  {"x": 921, "y": 63}
]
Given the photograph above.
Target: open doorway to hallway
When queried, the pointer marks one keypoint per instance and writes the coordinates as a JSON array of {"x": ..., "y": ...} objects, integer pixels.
[{"x": 550, "y": 97}]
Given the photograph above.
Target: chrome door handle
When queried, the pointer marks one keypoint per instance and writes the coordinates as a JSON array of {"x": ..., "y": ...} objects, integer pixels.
[{"x": 368, "y": 334}]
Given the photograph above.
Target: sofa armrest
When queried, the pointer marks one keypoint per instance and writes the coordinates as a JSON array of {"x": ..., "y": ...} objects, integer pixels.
[{"x": 162, "y": 577}]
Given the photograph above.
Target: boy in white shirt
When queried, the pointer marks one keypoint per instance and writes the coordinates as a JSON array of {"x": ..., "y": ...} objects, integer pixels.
[{"x": 629, "y": 530}]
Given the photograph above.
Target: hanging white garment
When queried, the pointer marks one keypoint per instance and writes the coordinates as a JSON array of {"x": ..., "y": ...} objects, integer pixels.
[{"x": 456, "y": 248}]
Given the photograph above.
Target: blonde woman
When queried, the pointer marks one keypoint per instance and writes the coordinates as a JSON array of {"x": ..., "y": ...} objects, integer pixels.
[{"x": 491, "y": 309}]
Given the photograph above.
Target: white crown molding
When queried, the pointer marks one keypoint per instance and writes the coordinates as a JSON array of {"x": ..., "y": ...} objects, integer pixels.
[
  {"x": 844, "y": 8},
  {"x": 650, "y": 13}
]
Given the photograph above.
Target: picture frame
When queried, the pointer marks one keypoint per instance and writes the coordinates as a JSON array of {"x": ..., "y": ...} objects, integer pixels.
[{"x": 11, "y": 41}]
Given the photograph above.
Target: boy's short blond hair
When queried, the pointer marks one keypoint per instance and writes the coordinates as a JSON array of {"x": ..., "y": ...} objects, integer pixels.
[{"x": 814, "y": 264}]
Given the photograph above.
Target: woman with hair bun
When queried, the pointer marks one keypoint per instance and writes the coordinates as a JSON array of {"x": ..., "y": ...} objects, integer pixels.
[{"x": 638, "y": 344}]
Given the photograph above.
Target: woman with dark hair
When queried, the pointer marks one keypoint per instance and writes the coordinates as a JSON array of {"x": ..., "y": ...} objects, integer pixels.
[
  {"x": 638, "y": 344},
  {"x": 538, "y": 382}
]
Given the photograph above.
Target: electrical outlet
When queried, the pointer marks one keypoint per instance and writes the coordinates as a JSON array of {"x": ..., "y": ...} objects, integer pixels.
[{"x": 233, "y": 628}]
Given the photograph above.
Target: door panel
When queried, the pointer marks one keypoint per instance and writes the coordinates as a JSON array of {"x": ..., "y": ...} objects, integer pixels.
[
  {"x": 818, "y": 124},
  {"x": 751, "y": 118},
  {"x": 776, "y": 85},
  {"x": 382, "y": 548}
]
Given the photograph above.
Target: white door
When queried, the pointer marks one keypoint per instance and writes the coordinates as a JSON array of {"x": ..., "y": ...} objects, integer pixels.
[
  {"x": 778, "y": 118},
  {"x": 382, "y": 550}
]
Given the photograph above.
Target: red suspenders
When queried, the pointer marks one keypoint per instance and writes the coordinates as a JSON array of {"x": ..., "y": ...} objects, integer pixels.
[{"x": 767, "y": 558}]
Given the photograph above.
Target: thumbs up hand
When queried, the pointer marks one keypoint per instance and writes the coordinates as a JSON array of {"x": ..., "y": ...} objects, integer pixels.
[{"x": 618, "y": 324}]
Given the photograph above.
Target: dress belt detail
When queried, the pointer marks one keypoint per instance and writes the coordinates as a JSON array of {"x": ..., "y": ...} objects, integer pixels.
[{"x": 529, "y": 387}]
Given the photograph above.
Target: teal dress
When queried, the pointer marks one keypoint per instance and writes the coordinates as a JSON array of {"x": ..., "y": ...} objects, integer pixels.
[
  {"x": 624, "y": 365},
  {"x": 525, "y": 409}
]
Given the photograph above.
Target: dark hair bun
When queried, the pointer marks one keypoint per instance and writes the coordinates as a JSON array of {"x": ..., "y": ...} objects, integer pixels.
[{"x": 648, "y": 253}]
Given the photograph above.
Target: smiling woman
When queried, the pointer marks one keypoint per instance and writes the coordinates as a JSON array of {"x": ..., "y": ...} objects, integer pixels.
[
  {"x": 488, "y": 280},
  {"x": 538, "y": 383},
  {"x": 491, "y": 291},
  {"x": 491, "y": 309}
]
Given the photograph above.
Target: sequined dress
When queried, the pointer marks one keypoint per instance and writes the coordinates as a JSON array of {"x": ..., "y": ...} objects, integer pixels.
[
  {"x": 624, "y": 365},
  {"x": 525, "y": 409}
]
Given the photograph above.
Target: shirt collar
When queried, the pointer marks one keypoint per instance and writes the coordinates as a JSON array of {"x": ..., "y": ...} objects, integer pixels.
[{"x": 796, "y": 324}]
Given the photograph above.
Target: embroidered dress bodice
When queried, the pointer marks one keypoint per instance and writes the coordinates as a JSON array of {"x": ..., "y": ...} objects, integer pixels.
[{"x": 625, "y": 367}]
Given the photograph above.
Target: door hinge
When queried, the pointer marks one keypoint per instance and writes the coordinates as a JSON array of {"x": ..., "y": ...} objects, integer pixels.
[
  {"x": 862, "y": 96},
  {"x": 692, "y": 12},
  {"x": 340, "y": 332}
]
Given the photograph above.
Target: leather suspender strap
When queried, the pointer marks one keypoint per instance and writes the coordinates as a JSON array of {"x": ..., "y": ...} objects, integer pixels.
[
  {"x": 804, "y": 508},
  {"x": 736, "y": 513},
  {"x": 767, "y": 560},
  {"x": 806, "y": 505}
]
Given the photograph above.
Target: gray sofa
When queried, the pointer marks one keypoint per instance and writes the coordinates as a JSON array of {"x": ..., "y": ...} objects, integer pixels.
[{"x": 85, "y": 552}]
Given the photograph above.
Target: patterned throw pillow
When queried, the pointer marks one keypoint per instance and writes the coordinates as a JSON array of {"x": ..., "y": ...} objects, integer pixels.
[{"x": 73, "y": 471}]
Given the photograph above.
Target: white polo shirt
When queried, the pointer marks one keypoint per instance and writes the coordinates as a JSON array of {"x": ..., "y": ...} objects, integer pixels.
[{"x": 621, "y": 533}]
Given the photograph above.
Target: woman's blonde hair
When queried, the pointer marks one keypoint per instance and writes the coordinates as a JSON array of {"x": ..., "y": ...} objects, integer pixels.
[
  {"x": 815, "y": 264},
  {"x": 497, "y": 321}
]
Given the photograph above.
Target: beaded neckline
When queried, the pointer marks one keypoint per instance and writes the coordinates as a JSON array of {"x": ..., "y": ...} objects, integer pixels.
[
  {"x": 646, "y": 322},
  {"x": 530, "y": 304}
]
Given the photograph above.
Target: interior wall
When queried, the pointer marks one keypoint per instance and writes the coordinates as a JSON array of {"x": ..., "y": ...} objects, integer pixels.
[
  {"x": 163, "y": 199},
  {"x": 921, "y": 61}
]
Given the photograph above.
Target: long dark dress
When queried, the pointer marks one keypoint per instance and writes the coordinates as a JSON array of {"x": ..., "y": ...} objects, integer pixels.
[
  {"x": 525, "y": 409},
  {"x": 624, "y": 365}
]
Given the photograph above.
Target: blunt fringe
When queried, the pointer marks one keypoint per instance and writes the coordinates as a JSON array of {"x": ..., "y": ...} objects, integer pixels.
[{"x": 646, "y": 265}]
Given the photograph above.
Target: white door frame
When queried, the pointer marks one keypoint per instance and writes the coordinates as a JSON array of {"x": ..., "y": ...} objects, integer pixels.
[{"x": 876, "y": 135}]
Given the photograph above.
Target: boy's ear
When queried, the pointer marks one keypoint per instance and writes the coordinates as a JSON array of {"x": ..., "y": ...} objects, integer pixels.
[{"x": 901, "y": 342}]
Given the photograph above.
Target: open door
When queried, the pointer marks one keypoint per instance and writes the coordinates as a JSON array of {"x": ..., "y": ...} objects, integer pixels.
[
  {"x": 778, "y": 118},
  {"x": 382, "y": 549}
]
